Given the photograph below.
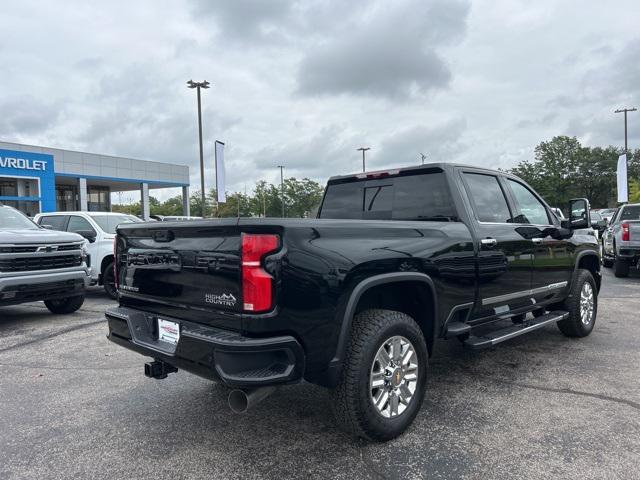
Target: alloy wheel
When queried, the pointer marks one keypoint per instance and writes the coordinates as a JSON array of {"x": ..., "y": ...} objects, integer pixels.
[{"x": 394, "y": 376}]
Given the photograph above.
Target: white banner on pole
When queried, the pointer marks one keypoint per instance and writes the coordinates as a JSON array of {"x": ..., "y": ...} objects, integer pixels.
[
  {"x": 623, "y": 194},
  {"x": 220, "y": 178}
]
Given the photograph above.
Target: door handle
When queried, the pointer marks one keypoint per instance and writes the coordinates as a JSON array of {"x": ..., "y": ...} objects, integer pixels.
[
  {"x": 488, "y": 242},
  {"x": 537, "y": 241}
]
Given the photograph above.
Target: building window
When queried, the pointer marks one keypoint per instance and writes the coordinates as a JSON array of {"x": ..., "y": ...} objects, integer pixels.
[
  {"x": 66, "y": 198},
  {"x": 8, "y": 187},
  {"x": 98, "y": 199}
]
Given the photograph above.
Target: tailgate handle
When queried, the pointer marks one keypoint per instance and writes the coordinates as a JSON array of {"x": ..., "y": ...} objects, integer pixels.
[{"x": 163, "y": 235}]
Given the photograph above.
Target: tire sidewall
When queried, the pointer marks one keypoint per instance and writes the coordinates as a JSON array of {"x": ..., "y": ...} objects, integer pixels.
[{"x": 387, "y": 428}]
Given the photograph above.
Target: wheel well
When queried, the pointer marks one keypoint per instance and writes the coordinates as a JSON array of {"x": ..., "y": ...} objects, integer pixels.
[
  {"x": 414, "y": 298},
  {"x": 105, "y": 261},
  {"x": 591, "y": 263}
]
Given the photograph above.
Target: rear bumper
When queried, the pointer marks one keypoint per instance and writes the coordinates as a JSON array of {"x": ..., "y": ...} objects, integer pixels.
[
  {"x": 629, "y": 253},
  {"x": 212, "y": 353}
]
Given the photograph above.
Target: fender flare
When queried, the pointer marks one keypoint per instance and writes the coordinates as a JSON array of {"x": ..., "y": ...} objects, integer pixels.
[
  {"x": 579, "y": 257},
  {"x": 374, "y": 281}
]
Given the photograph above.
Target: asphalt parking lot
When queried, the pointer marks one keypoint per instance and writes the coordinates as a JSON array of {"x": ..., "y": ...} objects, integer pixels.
[{"x": 542, "y": 406}]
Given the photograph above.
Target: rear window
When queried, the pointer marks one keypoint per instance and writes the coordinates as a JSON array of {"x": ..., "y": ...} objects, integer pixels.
[
  {"x": 411, "y": 197},
  {"x": 630, "y": 213}
]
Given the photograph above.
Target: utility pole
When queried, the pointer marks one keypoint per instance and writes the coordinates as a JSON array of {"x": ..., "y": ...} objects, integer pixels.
[
  {"x": 281, "y": 167},
  {"x": 363, "y": 149},
  {"x": 626, "y": 148},
  {"x": 198, "y": 86},
  {"x": 424, "y": 157}
]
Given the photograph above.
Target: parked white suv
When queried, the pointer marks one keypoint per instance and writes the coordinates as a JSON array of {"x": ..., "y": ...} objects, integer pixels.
[{"x": 97, "y": 227}]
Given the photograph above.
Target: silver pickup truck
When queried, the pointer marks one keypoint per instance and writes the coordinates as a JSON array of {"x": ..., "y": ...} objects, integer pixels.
[
  {"x": 40, "y": 264},
  {"x": 621, "y": 240}
]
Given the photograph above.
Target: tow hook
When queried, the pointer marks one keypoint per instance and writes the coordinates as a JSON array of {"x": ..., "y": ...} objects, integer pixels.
[{"x": 158, "y": 369}]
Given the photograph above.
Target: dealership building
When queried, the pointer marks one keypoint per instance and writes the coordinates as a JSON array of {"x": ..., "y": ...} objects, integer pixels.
[{"x": 37, "y": 179}]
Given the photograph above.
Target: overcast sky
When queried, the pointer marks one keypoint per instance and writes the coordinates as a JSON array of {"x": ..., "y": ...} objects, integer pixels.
[{"x": 304, "y": 83}]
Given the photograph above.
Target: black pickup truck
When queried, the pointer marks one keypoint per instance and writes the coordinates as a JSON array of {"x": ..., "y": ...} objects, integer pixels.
[{"x": 355, "y": 299}]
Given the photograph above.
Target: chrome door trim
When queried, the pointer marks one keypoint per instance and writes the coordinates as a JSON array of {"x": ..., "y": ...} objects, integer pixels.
[{"x": 523, "y": 293}]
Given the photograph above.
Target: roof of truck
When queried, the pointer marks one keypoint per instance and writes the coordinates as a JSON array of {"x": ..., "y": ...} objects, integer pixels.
[{"x": 427, "y": 166}]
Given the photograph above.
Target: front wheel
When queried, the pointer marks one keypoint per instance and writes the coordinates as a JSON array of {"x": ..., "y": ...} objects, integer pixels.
[
  {"x": 65, "y": 305},
  {"x": 384, "y": 376},
  {"x": 582, "y": 305}
]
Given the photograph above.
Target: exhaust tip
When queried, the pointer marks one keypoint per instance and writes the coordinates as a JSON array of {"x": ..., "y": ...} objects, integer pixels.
[{"x": 238, "y": 401}]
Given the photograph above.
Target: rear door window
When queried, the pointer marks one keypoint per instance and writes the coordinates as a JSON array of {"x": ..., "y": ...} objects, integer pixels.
[{"x": 489, "y": 200}]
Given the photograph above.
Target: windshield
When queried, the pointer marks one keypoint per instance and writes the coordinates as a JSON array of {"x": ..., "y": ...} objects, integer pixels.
[
  {"x": 422, "y": 196},
  {"x": 630, "y": 213},
  {"x": 108, "y": 223},
  {"x": 11, "y": 219}
]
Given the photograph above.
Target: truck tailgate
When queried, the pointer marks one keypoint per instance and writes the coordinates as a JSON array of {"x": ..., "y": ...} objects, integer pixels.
[{"x": 188, "y": 265}]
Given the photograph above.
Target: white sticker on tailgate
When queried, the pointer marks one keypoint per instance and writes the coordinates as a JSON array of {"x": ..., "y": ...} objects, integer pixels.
[{"x": 168, "y": 331}]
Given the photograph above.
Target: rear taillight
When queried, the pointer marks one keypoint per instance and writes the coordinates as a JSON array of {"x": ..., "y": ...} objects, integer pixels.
[
  {"x": 257, "y": 284},
  {"x": 626, "y": 235},
  {"x": 115, "y": 261}
]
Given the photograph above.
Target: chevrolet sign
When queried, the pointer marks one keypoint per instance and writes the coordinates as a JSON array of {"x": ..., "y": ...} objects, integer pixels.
[{"x": 22, "y": 163}]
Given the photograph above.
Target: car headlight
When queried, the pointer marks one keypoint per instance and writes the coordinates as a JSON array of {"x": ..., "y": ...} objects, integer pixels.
[{"x": 84, "y": 249}]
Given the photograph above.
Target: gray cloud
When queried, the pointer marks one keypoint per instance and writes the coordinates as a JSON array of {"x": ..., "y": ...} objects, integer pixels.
[
  {"x": 23, "y": 116},
  {"x": 391, "y": 53}
]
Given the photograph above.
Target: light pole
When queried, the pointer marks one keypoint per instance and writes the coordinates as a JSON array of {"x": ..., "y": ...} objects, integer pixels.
[
  {"x": 281, "y": 167},
  {"x": 424, "y": 157},
  {"x": 626, "y": 155},
  {"x": 363, "y": 149},
  {"x": 198, "y": 86}
]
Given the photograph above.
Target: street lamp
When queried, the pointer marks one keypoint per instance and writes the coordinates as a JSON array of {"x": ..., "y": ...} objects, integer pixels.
[
  {"x": 363, "y": 149},
  {"x": 281, "y": 167},
  {"x": 198, "y": 86}
]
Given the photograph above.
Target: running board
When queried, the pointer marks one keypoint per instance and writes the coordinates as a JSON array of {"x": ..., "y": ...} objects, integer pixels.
[{"x": 498, "y": 336}]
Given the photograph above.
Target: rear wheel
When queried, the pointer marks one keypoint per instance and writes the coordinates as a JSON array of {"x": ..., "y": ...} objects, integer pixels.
[
  {"x": 65, "y": 305},
  {"x": 621, "y": 268},
  {"x": 109, "y": 281},
  {"x": 607, "y": 262},
  {"x": 582, "y": 305},
  {"x": 384, "y": 377}
]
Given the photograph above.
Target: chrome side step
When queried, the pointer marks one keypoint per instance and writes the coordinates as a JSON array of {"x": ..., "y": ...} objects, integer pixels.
[{"x": 504, "y": 334}]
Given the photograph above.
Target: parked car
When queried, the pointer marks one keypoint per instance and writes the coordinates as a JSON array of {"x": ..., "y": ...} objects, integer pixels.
[
  {"x": 37, "y": 264},
  {"x": 621, "y": 240},
  {"x": 99, "y": 228},
  {"x": 598, "y": 223},
  {"x": 356, "y": 299},
  {"x": 607, "y": 213}
]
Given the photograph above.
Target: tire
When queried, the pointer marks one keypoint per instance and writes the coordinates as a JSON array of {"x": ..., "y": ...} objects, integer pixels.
[
  {"x": 65, "y": 305},
  {"x": 607, "y": 262},
  {"x": 621, "y": 268},
  {"x": 575, "y": 325},
  {"x": 352, "y": 400},
  {"x": 109, "y": 281}
]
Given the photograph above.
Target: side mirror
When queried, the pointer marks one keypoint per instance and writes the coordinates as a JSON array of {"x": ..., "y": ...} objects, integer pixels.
[
  {"x": 579, "y": 213},
  {"x": 88, "y": 234}
]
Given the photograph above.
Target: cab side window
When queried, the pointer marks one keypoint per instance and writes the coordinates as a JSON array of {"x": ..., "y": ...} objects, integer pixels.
[
  {"x": 489, "y": 200},
  {"x": 55, "y": 221},
  {"x": 77, "y": 224},
  {"x": 530, "y": 209}
]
